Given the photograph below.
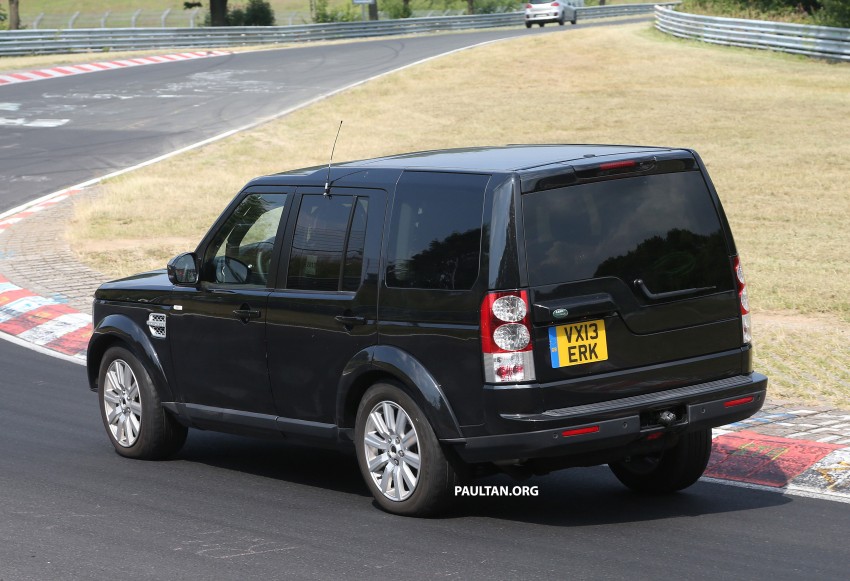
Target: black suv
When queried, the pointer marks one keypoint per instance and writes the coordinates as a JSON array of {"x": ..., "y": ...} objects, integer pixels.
[{"x": 450, "y": 313}]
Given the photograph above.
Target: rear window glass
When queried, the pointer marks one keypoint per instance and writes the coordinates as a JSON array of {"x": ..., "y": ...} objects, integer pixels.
[
  {"x": 435, "y": 233},
  {"x": 663, "y": 229}
]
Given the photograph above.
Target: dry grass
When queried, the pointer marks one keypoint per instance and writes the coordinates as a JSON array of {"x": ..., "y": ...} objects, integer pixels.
[{"x": 772, "y": 129}]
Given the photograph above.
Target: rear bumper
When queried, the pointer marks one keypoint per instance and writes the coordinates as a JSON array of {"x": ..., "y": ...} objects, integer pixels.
[
  {"x": 544, "y": 17},
  {"x": 606, "y": 427}
]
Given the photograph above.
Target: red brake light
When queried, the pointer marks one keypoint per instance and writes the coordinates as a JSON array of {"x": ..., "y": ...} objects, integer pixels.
[
  {"x": 555, "y": 4},
  {"x": 617, "y": 165},
  {"x": 528, "y": 6},
  {"x": 506, "y": 345}
]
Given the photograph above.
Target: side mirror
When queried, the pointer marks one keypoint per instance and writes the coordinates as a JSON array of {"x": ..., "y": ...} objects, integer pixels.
[{"x": 183, "y": 269}]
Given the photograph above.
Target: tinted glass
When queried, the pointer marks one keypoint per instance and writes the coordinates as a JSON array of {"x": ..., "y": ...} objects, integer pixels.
[
  {"x": 318, "y": 243},
  {"x": 353, "y": 269},
  {"x": 435, "y": 233},
  {"x": 241, "y": 251},
  {"x": 663, "y": 229}
]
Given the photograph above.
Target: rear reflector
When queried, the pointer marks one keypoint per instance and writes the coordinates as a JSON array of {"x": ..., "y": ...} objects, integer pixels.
[
  {"x": 580, "y": 431},
  {"x": 736, "y": 402}
]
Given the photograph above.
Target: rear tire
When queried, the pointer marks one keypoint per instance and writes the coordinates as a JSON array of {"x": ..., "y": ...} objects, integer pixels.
[
  {"x": 672, "y": 470},
  {"x": 132, "y": 413},
  {"x": 399, "y": 455},
  {"x": 528, "y": 25},
  {"x": 541, "y": 24}
]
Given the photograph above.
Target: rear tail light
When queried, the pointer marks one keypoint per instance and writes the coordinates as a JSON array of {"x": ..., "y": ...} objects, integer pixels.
[
  {"x": 506, "y": 346},
  {"x": 744, "y": 301},
  {"x": 555, "y": 4},
  {"x": 529, "y": 6}
]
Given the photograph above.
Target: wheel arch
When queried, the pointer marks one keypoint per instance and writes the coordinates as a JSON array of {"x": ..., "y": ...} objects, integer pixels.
[
  {"x": 122, "y": 331},
  {"x": 386, "y": 363}
]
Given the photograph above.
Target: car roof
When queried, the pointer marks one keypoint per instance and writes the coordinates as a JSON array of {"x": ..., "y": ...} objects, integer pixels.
[{"x": 508, "y": 158}]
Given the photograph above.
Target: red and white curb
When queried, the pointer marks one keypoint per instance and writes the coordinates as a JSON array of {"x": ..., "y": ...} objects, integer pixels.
[
  {"x": 43, "y": 322},
  {"x": 7, "y": 220},
  {"x": 67, "y": 70},
  {"x": 781, "y": 464}
]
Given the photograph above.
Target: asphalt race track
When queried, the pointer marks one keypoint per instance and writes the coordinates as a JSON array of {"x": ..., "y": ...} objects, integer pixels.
[{"x": 236, "y": 508}]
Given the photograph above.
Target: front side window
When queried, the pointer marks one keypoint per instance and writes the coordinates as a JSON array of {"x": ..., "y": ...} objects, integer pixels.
[
  {"x": 241, "y": 251},
  {"x": 327, "y": 248},
  {"x": 435, "y": 233}
]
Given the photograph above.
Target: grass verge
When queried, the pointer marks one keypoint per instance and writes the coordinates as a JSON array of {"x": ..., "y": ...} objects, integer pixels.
[{"x": 772, "y": 130}]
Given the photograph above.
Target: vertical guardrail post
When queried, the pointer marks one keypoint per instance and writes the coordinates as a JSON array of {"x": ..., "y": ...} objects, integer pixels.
[
  {"x": 72, "y": 19},
  {"x": 193, "y": 16},
  {"x": 165, "y": 16},
  {"x": 37, "y": 20},
  {"x": 134, "y": 18},
  {"x": 103, "y": 19}
]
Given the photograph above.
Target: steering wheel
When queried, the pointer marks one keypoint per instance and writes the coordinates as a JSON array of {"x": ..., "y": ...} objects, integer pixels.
[{"x": 264, "y": 258}]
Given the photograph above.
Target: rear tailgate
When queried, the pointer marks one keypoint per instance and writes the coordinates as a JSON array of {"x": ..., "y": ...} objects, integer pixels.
[{"x": 631, "y": 282}]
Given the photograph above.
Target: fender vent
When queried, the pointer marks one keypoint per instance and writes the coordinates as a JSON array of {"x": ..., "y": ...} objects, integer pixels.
[{"x": 156, "y": 323}]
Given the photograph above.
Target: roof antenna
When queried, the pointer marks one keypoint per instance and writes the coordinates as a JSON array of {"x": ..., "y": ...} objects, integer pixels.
[{"x": 328, "y": 180}]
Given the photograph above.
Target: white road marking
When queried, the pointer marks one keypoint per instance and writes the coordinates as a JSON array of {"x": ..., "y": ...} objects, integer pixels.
[{"x": 24, "y": 122}]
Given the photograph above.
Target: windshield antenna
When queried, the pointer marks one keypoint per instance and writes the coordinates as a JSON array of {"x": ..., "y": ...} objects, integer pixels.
[{"x": 328, "y": 180}]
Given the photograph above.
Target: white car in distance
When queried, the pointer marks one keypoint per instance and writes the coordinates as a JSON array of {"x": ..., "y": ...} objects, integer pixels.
[{"x": 542, "y": 11}]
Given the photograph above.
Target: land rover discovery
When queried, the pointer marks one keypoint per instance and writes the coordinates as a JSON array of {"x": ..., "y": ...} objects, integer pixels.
[{"x": 447, "y": 314}]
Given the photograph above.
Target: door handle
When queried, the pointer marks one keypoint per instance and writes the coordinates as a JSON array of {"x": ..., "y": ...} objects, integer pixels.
[
  {"x": 351, "y": 320},
  {"x": 246, "y": 313}
]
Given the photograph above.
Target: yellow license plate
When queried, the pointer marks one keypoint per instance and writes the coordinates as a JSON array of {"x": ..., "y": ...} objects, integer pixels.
[{"x": 578, "y": 343}]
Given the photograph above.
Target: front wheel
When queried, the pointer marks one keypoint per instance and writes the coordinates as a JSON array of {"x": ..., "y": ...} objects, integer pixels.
[
  {"x": 399, "y": 455},
  {"x": 132, "y": 412},
  {"x": 672, "y": 470},
  {"x": 528, "y": 25}
]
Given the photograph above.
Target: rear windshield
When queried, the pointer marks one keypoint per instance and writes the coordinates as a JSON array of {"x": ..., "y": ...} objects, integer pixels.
[{"x": 662, "y": 228}]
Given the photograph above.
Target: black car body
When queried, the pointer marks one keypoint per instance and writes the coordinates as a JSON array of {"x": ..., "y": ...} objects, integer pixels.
[{"x": 524, "y": 307}]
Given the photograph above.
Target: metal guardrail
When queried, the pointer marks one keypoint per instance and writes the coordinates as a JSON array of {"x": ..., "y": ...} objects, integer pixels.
[
  {"x": 817, "y": 41},
  {"x": 25, "y": 42}
]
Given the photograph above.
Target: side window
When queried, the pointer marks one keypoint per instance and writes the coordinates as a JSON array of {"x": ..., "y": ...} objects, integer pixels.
[
  {"x": 435, "y": 232},
  {"x": 327, "y": 247},
  {"x": 241, "y": 251}
]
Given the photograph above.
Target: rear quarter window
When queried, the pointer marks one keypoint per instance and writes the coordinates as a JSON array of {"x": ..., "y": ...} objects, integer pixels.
[
  {"x": 435, "y": 231},
  {"x": 662, "y": 228}
]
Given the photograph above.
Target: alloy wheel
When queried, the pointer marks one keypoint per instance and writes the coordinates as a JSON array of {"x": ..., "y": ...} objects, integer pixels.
[
  {"x": 392, "y": 451},
  {"x": 122, "y": 404}
]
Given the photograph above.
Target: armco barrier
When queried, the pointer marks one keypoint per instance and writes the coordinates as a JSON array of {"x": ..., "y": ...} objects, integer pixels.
[
  {"x": 24, "y": 42},
  {"x": 816, "y": 41}
]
